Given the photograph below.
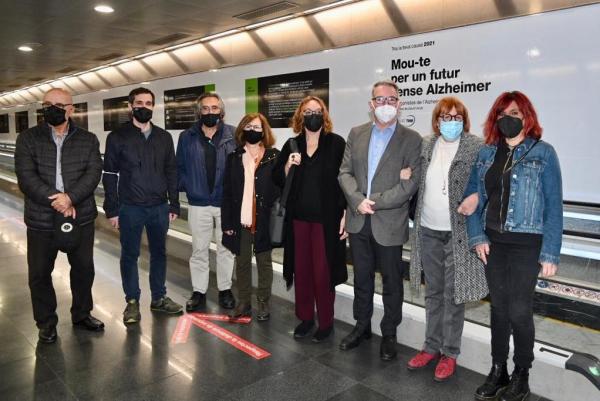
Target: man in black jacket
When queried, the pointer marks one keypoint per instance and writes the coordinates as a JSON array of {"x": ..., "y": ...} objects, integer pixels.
[
  {"x": 58, "y": 167},
  {"x": 140, "y": 176}
]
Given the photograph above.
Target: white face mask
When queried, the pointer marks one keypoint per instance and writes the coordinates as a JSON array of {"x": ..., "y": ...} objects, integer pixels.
[{"x": 386, "y": 113}]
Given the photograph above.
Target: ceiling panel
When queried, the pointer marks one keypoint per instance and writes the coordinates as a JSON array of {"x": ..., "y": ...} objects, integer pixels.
[{"x": 73, "y": 35}]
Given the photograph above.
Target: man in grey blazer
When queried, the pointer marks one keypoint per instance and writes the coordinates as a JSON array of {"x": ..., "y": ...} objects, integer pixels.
[{"x": 378, "y": 175}]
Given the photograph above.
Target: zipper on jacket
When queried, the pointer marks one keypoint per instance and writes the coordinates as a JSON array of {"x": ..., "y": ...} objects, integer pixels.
[{"x": 509, "y": 155}]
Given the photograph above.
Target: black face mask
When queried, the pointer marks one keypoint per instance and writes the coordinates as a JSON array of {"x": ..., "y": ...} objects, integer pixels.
[
  {"x": 313, "y": 122},
  {"x": 210, "y": 120},
  {"x": 142, "y": 114},
  {"x": 54, "y": 115},
  {"x": 510, "y": 126},
  {"x": 252, "y": 137}
]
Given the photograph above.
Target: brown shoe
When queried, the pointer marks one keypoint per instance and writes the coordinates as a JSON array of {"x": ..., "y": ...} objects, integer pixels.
[
  {"x": 242, "y": 309},
  {"x": 264, "y": 311}
]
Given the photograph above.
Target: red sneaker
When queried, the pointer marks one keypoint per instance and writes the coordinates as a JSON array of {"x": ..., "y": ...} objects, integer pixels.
[
  {"x": 421, "y": 360},
  {"x": 445, "y": 368}
]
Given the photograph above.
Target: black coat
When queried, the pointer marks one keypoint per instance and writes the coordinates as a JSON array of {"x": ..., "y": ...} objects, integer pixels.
[
  {"x": 333, "y": 204},
  {"x": 233, "y": 191},
  {"x": 147, "y": 169},
  {"x": 35, "y": 165}
]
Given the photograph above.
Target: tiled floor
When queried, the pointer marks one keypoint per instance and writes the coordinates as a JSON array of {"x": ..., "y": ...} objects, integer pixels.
[{"x": 139, "y": 363}]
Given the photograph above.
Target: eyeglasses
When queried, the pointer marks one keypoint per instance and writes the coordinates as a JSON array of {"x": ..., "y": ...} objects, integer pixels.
[
  {"x": 257, "y": 128},
  {"x": 380, "y": 100},
  {"x": 309, "y": 112},
  {"x": 450, "y": 117},
  {"x": 208, "y": 109},
  {"x": 59, "y": 105}
]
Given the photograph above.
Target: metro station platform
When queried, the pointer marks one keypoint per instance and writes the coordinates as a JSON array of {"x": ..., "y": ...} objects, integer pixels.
[{"x": 140, "y": 362}]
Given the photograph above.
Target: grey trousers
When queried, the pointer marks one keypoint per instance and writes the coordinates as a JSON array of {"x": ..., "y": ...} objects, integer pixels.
[{"x": 444, "y": 318}]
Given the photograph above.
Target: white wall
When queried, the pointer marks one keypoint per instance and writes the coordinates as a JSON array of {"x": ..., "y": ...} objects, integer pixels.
[{"x": 552, "y": 57}]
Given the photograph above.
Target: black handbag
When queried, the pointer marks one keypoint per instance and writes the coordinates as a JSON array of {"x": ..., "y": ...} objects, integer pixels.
[{"x": 277, "y": 222}]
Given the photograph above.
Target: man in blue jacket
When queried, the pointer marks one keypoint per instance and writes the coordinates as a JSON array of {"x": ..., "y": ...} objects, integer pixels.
[
  {"x": 140, "y": 186},
  {"x": 201, "y": 154}
]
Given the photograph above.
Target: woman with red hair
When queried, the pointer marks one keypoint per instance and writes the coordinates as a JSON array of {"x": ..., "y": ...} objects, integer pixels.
[{"x": 516, "y": 230}]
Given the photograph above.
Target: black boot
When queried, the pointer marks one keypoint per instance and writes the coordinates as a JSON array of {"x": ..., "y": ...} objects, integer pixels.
[
  {"x": 495, "y": 383},
  {"x": 518, "y": 389}
]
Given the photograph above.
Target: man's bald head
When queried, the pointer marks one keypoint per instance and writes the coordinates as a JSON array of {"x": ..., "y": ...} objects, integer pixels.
[{"x": 58, "y": 95}]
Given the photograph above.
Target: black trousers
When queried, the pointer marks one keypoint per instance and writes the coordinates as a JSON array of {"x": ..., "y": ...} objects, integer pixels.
[
  {"x": 368, "y": 256},
  {"x": 511, "y": 274},
  {"x": 41, "y": 255}
]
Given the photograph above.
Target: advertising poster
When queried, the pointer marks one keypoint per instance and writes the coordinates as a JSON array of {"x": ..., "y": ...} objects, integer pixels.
[
  {"x": 115, "y": 112},
  {"x": 80, "y": 116},
  {"x": 180, "y": 106},
  {"x": 277, "y": 96},
  {"x": 21, "y": 121},
  {"x": 4, "y": 127}
]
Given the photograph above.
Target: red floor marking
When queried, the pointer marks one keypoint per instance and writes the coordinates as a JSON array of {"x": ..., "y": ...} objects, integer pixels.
[
  {"x": 230, "y": 338},
  {"x": 222, "y": 318},
  {"x": 182, "y": 330}
]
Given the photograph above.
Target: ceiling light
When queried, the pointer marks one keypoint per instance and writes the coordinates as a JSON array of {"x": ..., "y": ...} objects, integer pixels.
[
  {"x": 25, "y": 48},
  {"x": 104, "y": 9}
]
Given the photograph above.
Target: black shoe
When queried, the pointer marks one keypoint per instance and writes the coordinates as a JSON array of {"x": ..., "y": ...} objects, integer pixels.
[
  {"x": 48, "y": 335},
  {"x": 196, "y": 302},
  {"x": 387, "y": 350},
  {"x": 518, "y": 388},
  {"x": 304, "y": 328},
  {"x": 353, "y": 339},
  {"x": 226, "y": 299},
  {"x": 495, "y": 383},
  {"x": 321, "y": 335},
  {"x": 90, "y": 323}
]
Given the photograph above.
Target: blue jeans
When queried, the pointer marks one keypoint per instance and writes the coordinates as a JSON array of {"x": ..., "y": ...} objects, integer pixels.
[{"x": 132, "y": 220}]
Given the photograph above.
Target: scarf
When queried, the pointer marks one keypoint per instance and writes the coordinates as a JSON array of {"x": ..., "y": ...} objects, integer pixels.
[{"x": 248, "y": 199}]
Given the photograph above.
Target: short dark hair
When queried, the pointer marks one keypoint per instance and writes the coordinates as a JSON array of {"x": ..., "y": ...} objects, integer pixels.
[{"x": 139, "y": 91}]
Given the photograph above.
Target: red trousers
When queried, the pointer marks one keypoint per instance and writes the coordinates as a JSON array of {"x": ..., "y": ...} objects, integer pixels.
[{"x": 312, "y": 282}]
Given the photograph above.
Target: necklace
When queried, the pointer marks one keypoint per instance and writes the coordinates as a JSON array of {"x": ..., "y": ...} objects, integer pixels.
[{"x": 444, "y": 173}]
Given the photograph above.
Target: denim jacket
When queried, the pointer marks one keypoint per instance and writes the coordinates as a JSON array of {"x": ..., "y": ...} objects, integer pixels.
[{"x": 535, "y": 199}]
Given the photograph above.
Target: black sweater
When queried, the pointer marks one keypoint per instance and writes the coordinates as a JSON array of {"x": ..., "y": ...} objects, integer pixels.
[{"x": 146, "y": 168}]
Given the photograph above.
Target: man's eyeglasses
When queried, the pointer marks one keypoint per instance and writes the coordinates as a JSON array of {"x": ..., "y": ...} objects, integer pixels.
[
  {"x": 208, "y": 109},
  {"x": 450, "y": 117},
  {"x": 59, "y": 105},
  {"x": 381, "y": 100}
]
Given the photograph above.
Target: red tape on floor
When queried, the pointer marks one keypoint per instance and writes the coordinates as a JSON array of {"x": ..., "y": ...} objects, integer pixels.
[
  {"x": 182, "y": 330},
  {"x": 222, "y": 318},
  {"x": 230, "y": 338}
]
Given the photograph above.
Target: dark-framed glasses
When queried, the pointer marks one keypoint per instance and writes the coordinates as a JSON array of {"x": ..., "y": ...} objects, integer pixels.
[
  {"x": 380, "y": 100},
  {"x": 450, "y": 117}
]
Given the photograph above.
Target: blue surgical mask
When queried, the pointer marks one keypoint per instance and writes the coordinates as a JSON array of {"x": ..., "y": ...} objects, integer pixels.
[{"x": 451, "y": 130}]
